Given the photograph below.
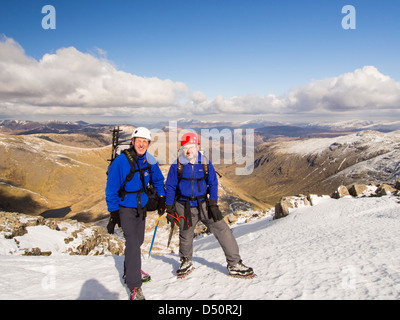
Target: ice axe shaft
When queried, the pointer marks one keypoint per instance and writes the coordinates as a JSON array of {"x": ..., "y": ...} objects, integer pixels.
[
  {"x": 171, "y": 232},
  {"x": 154, "y": 235}
]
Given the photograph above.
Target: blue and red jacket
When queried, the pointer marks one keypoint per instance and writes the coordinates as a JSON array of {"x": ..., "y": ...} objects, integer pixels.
[
  {"x": 119, "y": 170},
  {"x": 189, "y": 188}
]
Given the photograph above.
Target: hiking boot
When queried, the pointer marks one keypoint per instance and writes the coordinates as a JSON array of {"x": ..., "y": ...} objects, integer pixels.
[
  {"x": 185, "y": 268},
  {"x": 136, "y": 294},
  {"x": 239, "y": 270},
  {"x": 145, "y": 277}
]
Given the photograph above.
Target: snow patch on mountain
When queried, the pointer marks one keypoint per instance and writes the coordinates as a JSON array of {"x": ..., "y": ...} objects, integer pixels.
[{"x": 371, "y": 140}]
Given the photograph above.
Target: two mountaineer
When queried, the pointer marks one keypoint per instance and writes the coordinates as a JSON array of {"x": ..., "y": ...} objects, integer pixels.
[{"x": 190, "y": 195}]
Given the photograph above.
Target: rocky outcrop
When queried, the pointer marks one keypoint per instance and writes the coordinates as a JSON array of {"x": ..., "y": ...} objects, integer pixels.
[
  {"x": 357, "y": 189},
  {"x": 81, "y": 239},
  {"x": 286, "y": 203},
  {"x": 282, "y": 208},
  {"x": 15, "y": 224},
  {"x": 97, "y": 243},
  {"x": 384, "y": 190},
  {"x": 340, "y": 192}
]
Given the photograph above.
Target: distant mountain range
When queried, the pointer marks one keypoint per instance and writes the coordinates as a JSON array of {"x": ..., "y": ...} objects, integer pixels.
[
  {"x": 261, "y": 127},
  {"x": 348, "y": 125},
  {"x": 266, "y": 130},
  {"x": 32, "y": 127}
]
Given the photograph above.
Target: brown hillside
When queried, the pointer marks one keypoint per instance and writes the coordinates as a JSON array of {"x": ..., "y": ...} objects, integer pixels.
[
  {"x": 53, "y": 175},
  {"x": 38, "y": 175},
  {"x": 319, "y": 165}
]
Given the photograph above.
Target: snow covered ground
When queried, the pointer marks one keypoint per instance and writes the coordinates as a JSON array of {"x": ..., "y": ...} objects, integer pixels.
[{"x": 339, "y": 249}]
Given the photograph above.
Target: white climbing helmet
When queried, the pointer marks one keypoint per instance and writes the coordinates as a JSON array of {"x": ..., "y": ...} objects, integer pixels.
[{"x": 141, "y": 132}]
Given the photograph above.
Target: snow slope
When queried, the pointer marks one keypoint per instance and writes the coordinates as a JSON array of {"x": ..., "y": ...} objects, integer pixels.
[
  {"x": 369, "y": 141},
  {"x": 339, "y": 249}
]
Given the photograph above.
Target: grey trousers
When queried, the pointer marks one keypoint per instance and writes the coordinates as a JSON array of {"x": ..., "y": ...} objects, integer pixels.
[
  {"x": 133, "y": 227},
  {"x": 219, "y": 229}
]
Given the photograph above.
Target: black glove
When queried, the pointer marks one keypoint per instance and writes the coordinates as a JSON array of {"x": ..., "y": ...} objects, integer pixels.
[
  {"x": 172, "y": 216},
  {"x": 213, "y": 209},
  {"x": 114, "y": 219},
  {"x": 161, "y": 205}
]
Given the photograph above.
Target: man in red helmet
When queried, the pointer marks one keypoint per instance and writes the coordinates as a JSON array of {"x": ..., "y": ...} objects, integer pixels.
[{"x": 192, "y": 196}]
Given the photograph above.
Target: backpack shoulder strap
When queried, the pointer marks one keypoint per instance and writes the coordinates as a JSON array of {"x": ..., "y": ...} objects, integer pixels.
[
  {"x": 132, "y": 160},
  {"x": 205, "y": 168},
  {"x": 179, "y": 167}
]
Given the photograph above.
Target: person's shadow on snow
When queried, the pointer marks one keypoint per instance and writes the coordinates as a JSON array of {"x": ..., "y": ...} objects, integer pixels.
[
  {"x": 173, "y": 260},
  {"x": 94, "y": 290}
]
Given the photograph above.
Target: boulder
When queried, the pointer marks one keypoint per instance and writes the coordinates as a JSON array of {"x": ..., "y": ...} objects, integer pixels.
[
  {"x": 357, "y": 189},
  {"x": 281, "y": 210},
  {"x": 312, "y": 199},
  {"x": 231, "y": 218},
  {"x": 10, "y": 226},
  {"x": 340, "y": 192},
  {"x": 384, "y": 189},
  {"x": 36, "y": 252}
]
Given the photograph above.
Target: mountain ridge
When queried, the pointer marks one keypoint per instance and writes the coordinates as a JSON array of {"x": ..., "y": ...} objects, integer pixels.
[
  {"x": 46, "y": 171},
  {"x": 320, "y": 165}
]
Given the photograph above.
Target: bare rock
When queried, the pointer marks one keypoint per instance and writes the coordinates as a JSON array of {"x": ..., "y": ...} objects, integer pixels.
[
  {"x": 357, "y": 189},
  {"x": 340, "y": 192},
  {"x": 281, "y": 210},
  {"x": 384, "y": 189}
]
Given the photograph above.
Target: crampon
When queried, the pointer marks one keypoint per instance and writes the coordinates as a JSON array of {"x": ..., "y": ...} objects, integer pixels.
[
  {"x": 186, "y": 274},
  {"x": 243, "y": 276}
]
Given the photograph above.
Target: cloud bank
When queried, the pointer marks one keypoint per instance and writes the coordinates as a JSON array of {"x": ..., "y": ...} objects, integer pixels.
[
  {"x": 70, "y": 82},
  {"x": 72, "y": 79},
  {"x": 362, "y": 90}
]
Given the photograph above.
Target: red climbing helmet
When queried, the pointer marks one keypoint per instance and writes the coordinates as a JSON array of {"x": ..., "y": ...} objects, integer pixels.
[{"x": 189, "y": 137}]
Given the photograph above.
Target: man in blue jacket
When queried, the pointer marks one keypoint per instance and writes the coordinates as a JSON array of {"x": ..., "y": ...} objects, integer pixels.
[
  {"x": 190, "y": 180},
  {"x": 126, "y": 202}
]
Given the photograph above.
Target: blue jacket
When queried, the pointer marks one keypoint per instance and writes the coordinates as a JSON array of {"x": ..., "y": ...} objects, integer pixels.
[
  {"x": 117, "y": 174},
  {"x": 190, "y": 188}
]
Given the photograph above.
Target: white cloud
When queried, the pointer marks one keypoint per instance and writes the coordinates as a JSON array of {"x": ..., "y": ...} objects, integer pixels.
[
  {"x": 70, "y": 78},
  {"x": 70, "y": 82},
  {"x": 365, "y": 88},
  {"x": 248, "y": 104},
  {"x": 361, "y": 90}
]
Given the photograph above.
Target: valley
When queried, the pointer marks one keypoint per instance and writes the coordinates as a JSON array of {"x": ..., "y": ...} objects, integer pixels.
[{"x": 58, "y": 170}]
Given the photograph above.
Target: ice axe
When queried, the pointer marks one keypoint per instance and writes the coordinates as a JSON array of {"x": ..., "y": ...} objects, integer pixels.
[
  {"x": 154, "y": 235},
  {"x": 171, "y": 232}
]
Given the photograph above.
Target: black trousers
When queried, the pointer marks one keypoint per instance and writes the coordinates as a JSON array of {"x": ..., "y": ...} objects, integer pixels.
[{"x": 133, "y": 226}]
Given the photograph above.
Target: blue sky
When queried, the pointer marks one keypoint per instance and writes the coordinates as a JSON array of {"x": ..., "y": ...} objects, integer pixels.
[{"x": 215, "y": 59}]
